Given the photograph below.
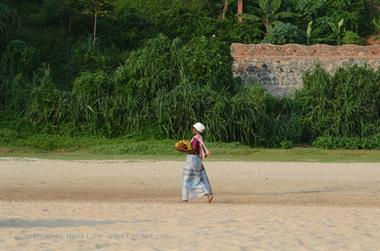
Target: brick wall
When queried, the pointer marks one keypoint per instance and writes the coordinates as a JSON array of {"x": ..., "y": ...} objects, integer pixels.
[{"x": 280, "y": 68}]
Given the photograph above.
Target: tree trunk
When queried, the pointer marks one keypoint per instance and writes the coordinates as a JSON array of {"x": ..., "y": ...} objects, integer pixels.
[
  {"x": 225, "y": 9},
  {"x": 95, "y": 21},
  {"x": 240, "y": 11},
  {"x": 268, "y": 26}
]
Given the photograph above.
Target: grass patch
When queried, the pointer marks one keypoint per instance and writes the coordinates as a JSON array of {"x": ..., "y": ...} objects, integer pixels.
[{"x": 80, "y": 148}]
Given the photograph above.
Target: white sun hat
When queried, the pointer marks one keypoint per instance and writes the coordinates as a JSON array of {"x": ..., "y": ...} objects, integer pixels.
[{"x": 199, "y": 127}]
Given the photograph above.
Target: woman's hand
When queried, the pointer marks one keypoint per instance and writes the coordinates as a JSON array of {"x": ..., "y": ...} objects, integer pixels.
[{"x": 208, "y": 153}]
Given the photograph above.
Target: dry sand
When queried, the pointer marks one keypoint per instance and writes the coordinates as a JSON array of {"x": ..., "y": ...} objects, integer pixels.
[{"x": 135, "y": 205}]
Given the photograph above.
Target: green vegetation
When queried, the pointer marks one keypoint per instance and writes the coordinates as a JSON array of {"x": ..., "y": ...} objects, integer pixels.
[
  {"x": 63, "y": 147},
  {"x": 269, "y": 14},
  {"x": 147, "y": 70},
  {"x": 284, "y": 33},
  {"x": 346, "y": 104},
  {"x": 372, "y": 142}
]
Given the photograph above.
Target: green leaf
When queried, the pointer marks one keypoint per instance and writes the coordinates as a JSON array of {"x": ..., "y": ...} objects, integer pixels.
[
  {"x": 376, "y": 23},
  {"x": 340, "y": 23},
  {"x": 275, "y": 23},
  {"x": 251, "y": 17},
  {"x": 309, "y": 27},
  {"x": 332, "y": 26},
  {"x": 263, "y": 3},
  {"x": 285, "y": 15},
  {"x": 275, "y": 5}
]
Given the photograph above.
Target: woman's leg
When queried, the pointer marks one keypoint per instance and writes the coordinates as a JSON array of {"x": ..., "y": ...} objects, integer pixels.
[
  {"x": 185, "y": 190},
  {"x": 194, "y": 185},
  {"x": 206, "y": 181}
]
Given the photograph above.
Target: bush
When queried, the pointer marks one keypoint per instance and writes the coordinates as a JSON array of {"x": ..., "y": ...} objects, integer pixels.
[
  {"x": 206, "y": 61},
  {"x": 285, "y": 123},
  {"x": 187, "y": 103},
  {"x": 217, "y": 117},
  {"x": 229, "y": 30},
  {"x": 8, "y": 135},
  {"x": 19, "y": 95},
  {"x": 16, "y": 68},
  {"x": 286, "y": 144},
  {"x": 322, "y": 12},
  {"x": 46, "y": 109},
  {"x": 18, "y": 58},
  {"x": 106, "y": 116},
  {"x": 342, "y": 105},
  {"x": 249, "y": 116},
  {"x": 149, "y": 69},
  {"x": 351, "y": 37},
  {"x": 356, "y": 101},
  {"x": 92, "y": 86},
  {"x": 85, "y": 56},
  {"x": 372, "y": 142},
  {"x": 283, "y": 33},
  {"x": 159, "y": 64}
]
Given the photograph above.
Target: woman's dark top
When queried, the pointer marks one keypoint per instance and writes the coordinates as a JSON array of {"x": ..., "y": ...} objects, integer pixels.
[{"x": 195, "y": 145}]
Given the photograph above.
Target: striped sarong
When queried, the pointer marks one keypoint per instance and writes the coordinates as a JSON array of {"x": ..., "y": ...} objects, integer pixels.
[{"x": 195, "y": 180}]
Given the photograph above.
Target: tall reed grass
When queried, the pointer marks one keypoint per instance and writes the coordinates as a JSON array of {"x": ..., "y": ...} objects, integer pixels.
[{"x": 161, "y": 90}]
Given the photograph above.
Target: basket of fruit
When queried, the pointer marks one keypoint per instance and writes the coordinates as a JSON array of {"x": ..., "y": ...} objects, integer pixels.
[{"x": 183, "y": 146}]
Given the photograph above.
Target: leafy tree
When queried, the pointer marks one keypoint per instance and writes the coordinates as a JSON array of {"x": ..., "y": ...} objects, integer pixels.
[{"x": 269, "y": 13}]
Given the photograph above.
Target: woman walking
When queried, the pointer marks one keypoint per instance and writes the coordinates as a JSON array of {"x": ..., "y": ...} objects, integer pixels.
[{"x": 195, "y": 180}]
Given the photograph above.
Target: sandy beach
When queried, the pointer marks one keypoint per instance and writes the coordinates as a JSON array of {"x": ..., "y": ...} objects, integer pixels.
[{"x": 135, "y": 205}]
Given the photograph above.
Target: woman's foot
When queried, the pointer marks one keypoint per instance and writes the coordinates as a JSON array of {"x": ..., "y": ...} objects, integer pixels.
[
  {"x": 210, "y": 197},
  {"x": 185, "y": 201}
]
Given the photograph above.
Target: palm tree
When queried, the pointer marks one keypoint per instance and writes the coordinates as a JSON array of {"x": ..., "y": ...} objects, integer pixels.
[
  {"x": 268, "y": 13},
  {"x": 96, "y": 8}
]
